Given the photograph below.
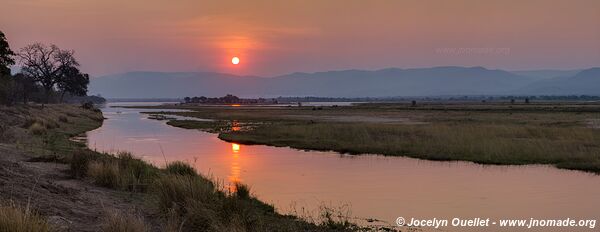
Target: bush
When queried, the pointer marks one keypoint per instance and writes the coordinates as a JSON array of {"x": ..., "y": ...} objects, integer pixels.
[
  {"x": 79, "y": 163},
  {"x": 15, "y": 219},
  {"x": 37, "y": 128},
  {"x": 181, "y": 168}
]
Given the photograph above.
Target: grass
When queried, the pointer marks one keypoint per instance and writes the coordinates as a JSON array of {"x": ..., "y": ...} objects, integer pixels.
[
  {"x": 185, "y": 200},
  {"x": 43, "y": 134},
  {"x": 495, "y": 133},
  {"x": 43, "y": 131},
  {"x": 179, "y": 199},
  {"x": 124, "y": 222},
  {"x": 576, "y": 148},
  {"x": 37, "y": 128},
  {"x": 215, "y": 126},
  {"x": 190, "y": 202},
  {"x": 121, "y": 172},
  {"x": 180, "y": 168},
  {"x": 16, "y": 219}
]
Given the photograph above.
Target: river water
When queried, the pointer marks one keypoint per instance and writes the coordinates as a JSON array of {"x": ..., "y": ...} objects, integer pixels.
[{"x": 371, "y": 186}]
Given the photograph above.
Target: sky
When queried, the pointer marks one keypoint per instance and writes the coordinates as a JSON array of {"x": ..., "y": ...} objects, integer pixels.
[{"x": 279, "y": 37}]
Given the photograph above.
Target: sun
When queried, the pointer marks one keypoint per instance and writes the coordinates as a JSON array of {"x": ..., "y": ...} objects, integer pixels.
[{"x": 235, "y": 60}]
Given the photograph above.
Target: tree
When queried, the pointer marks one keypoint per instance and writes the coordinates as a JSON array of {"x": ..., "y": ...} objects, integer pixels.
[
  {"x": 73, "y": 82},
  {"x": 46, "y": 64},
  {"x": 24, "y": 86},
  {"x": 6, "y": 55},
  {"x": 230, "y": 99},
  {"x": 6, "y": 61}
]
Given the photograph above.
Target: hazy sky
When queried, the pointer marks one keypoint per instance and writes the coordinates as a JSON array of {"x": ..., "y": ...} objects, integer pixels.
[{"x": 278, "y": 37}]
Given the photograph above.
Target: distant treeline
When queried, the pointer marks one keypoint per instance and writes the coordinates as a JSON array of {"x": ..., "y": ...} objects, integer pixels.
[
  {"x": 228, "y": 99},
  {"x": 232, "y": 99},
  {"x": 439, "y": 98},
  {"x": 48, "y": 75}
]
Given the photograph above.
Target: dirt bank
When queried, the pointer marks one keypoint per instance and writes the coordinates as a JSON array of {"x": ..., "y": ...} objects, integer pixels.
[{"x": 30, "y": 137}]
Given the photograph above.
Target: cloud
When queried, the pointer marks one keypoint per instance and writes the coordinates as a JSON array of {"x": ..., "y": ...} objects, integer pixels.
[{"x": 225, "y": 32}]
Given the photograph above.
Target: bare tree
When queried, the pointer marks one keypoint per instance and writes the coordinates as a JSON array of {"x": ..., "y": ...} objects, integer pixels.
[{"x": 46, "y": 64}]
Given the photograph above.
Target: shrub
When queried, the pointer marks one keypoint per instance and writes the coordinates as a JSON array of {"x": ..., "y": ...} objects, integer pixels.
[
  {"x": 88, "y": 105},
  {"x": 79, "y": 163},
  {"x": 37, "y": 128},
  {"x": 16, "y": 219},
  {"x": 180, "y": 168},
  {"x": 29, "y": 121}
]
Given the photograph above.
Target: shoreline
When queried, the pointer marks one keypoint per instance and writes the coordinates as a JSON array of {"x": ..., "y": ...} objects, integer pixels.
[{"x": 74, "y": 188}]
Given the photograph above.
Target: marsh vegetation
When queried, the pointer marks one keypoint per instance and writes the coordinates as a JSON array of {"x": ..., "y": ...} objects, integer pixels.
[{"x": 555, "y": 133}]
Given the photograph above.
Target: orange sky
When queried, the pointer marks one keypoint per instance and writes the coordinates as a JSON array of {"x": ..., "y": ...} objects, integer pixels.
[{"x": 278, "y": 37}]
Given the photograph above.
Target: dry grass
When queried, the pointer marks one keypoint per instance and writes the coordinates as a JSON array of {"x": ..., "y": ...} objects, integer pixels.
[
  {"x": 193, "y": 203},
  {"x": 16, "y": 219},
  {"x": 185, "y": 201},
  {"x": 121, "y": 172},
  {"x": 37, "y": 128},
  {"x": 568, "y": 147},
  {"x": 546, "y": 133},
  {"x": 180, "y": 168},
  {"x": 124, "y": 222}
]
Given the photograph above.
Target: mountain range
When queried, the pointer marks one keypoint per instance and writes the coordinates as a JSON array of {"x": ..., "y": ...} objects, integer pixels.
[{"x": 391, "y": 82}]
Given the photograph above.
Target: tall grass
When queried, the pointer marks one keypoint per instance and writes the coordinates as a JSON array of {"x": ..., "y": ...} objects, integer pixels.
[
  {"x": 172, "y": 192},
  {"x": 185, "y": 200},
  {"x": 180, "y": 168},
  {"x": 572, "y": 147},
  {"x": 16, "y": 219},
  {"x": 121, "y": 172},
  {"x": 124, "y": 222}
]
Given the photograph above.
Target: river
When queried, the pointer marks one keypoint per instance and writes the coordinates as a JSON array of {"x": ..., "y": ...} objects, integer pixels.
[{"x": 370, "y": 186}]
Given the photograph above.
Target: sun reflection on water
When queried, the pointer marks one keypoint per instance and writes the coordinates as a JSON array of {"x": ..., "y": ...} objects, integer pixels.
[
  {"x": 235, "y": 147},
  {"x": 236, "y": 169}
]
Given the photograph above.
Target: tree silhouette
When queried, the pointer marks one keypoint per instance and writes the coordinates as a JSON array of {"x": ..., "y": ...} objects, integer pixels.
[
  {"x": 46, "y": 64},
  {"x": 6, "y": 61},
  {"x": 73, "y": 82},
  {"x": 24, "y": 86},
  {"x": 6, "y": 55}
]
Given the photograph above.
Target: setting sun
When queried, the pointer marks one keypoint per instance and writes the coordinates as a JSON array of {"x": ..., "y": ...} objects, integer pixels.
[{"x": 235, "y": 60}]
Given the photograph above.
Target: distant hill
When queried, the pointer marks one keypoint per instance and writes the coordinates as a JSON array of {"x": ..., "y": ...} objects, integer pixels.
[
  {"x": 585, "y": 82},
  {"x": 347, "y": 83},
  {"x": 169, "y": 85},
  {"x": 546, "y": 73}
]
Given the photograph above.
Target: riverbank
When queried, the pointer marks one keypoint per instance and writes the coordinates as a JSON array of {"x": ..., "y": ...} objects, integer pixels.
[
  {"x": 55, "y": 183},
  {"x": 561, "y": 134}
]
